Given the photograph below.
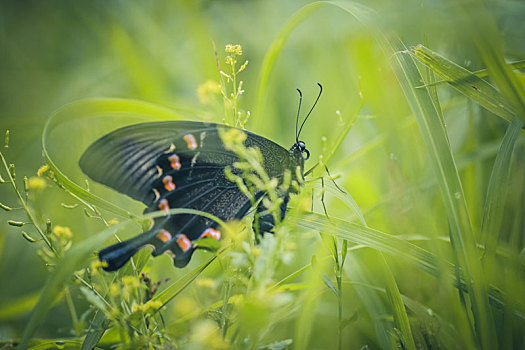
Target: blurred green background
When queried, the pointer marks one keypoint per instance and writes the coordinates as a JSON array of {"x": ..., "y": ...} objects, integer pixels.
[{"x": 54, "y": 53}]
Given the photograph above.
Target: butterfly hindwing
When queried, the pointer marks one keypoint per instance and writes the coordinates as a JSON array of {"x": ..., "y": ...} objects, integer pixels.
[{"x": 175, "y": 164}]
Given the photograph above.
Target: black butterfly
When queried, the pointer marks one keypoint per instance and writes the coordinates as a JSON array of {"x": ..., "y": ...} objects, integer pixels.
[{"x": 180, "y": 164}]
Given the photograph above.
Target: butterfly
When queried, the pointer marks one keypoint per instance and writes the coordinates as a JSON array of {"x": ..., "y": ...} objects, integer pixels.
[{"x": 181, "y": 164}]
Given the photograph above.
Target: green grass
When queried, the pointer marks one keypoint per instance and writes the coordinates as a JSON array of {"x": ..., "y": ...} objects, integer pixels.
[{"x": 420, "y": 122}]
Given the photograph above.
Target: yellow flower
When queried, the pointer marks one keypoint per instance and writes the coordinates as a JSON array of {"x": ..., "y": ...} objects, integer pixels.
[
  {"x": 230, "y": 60},
  {"x": 152, "y": 305},
  {"x": 113, "y": 222},
  {"x": 233, "y": 137},
  {"x": 36, "y": 183},
  {"x": 62, "y": 232},
  {"x": 206, "y": 90},
  {"x": 114, "y": 289},
  {"x": 235, "y": 49},
  {"x": 130, "y": 281},
  {"x": 42, "y": 170},
  {"x": 96, "y": 265}
]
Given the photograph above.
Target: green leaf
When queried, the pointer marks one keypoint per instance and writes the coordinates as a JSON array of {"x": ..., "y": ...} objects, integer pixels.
[
  {"x": 400, "y": 315},
  {"x": 178, "y": 286},
  {"x": 480, "y": 73},
  {"x": 461, "y": 234},
  {"x": 466, "y": 82},
  {"x": 497, "y": 191},
  {"x": 330, "y": 284}
]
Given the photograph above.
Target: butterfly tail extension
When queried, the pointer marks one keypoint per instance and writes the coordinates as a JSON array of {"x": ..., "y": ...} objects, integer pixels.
[{"x": 117, "y": 255}]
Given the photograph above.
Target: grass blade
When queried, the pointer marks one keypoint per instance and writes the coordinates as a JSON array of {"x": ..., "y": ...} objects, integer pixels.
[
  {"x": 479, "y": 73},
  {"x": 497, "y": 191},
  {"x": 435, "y": 137},
  {"x": 466, "y": 82},
  {"x": 178, "y": 286}
]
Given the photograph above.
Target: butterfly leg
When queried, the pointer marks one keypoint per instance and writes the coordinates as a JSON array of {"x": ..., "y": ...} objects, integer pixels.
[{"x": 266, "y": 220}]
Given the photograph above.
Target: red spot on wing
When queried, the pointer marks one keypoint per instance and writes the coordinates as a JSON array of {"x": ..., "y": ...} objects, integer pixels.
[
  {"x": 164, "y": 236},
  {"x": 183, "y": 242},
  {"x": 190, "y": 141},
  {"x": 164, "y": 205},
  {"x": 168, "y": 183},
  {"x": 175, "y": 161},
  {"x": 209, "y": 232}
]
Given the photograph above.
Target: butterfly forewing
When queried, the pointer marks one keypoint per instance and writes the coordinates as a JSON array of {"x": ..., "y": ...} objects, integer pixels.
[{"x": 175, "y": 164}]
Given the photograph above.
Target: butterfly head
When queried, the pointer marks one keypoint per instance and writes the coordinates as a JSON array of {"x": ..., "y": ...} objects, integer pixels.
[{"x": 299, "y": 148}]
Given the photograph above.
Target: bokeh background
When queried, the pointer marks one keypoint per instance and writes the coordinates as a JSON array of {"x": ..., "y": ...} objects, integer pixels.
[{"x": 54, "y": 53}]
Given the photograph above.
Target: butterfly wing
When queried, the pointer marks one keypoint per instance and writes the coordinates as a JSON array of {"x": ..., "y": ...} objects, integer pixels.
[{"x": 175, "y": 164}]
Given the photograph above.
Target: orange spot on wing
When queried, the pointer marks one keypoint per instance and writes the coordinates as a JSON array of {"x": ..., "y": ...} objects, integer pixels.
[
  {"x": 209, "y": 232},
  {"x": 190, "y": 141},
  {"x": 168, "y": 183},
  {"x": 164, "y": 236},
  {"x": 164, "y": 205},
  {"x": 175, "y": 161},
  {"x": 183, "y": 242}
]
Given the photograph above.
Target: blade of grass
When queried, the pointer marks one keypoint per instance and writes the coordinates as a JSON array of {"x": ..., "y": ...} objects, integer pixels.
[
  {"x": 479, "y": 73},
  {"x": 484, "y": 33},
  {"x": 496, "y": 193},
  {"x": 178, "y": 286},
  {"x": 466, "y": 82},
  {"x": 442, "y": 162},
  {"x": 399, "y": 311},
  {"x": 371, "y": 238}
]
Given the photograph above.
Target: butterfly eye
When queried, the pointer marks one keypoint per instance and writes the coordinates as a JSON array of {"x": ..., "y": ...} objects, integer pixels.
[{"x": 307, "y": 155}]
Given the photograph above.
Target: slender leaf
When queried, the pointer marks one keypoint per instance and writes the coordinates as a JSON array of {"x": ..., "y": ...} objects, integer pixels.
[
  {"x": 497, "y": 191},
  {"x": 466, "y": 82},
  {"x": 442, "y": 162}
]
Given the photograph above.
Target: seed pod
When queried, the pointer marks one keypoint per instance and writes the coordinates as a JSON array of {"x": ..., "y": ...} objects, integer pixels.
[
  {"x": 26, "y": 187},
  {"x": 28, "y": 237},
  {"x": 5, "y": 207},
  {"x": 48, "y": 227},
  {"x": 6, "y": 139},
  {"x": 16, "y": 223},
  {"x": 12, "y": 170}
]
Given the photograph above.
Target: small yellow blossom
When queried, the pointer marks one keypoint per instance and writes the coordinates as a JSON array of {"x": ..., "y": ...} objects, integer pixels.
[
  {"x": 256, "y": 251},
  {"x": 96, "y": 265},
  {"x": 42, "y": 170},
  {"x": 36, "y": 183},
  {"x": 114, "y": 289},
  {"x": 113, "y": 222},
  {"x": 230, "y": 60},
  {"x": 136, "y": 308},
  {"x": 235, "y": 49},
  {"x": 62, "y": 232},
  {"x": 206, "y": 90},
  {"x": 152, "y": 305},
  {"x": 233, "y": 137},
  {"x": 131, "y": 281}
]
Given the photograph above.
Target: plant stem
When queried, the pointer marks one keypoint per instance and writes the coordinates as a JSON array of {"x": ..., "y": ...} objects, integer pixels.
[{"x": 26, "y": 207}]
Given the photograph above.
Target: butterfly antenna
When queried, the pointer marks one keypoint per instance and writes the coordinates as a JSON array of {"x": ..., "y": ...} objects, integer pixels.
[
  {"x": 311, "y": 109},
  {"x": 298, "y": 111}
]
